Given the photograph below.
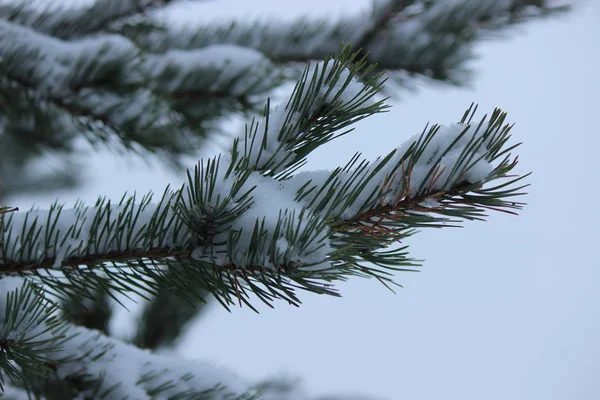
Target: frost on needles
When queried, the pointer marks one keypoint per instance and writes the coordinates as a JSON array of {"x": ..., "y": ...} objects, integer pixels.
[{"x": 245, "y": 225}]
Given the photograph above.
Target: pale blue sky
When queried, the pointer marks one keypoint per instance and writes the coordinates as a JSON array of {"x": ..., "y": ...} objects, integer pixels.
[{"x": 506, "y": 309}]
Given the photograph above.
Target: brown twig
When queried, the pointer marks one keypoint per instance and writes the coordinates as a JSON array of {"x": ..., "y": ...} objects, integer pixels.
[{"x": 91, "y": 259}]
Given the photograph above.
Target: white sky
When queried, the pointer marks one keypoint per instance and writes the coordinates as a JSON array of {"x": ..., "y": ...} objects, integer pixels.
[{"x": 506, "y": 309}]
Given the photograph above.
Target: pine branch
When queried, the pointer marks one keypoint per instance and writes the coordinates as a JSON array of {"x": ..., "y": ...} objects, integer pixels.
[
  {"x": 214, "y": 235},
  {"x": 83, "y": 363},
  {"x": 245, "y": 225},
  {"x": 72, "y": 21},
  {"x": 29, "y": 333},
  {"x": 103, "y": 367},
  {"x": 423, "y": 37},
  {"x": 110, "y": 89},
  {"x": 107, "y": 88}
]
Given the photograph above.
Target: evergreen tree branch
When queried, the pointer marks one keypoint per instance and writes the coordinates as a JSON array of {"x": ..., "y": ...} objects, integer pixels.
[
  {"x": 107, "y": 88},
  {"x": 108, "y": 367},
  {"x": 68, "y": 362},
  {"x": 73, "y": 20},
  {"x": 215, "y": 235},
  {"x": 29, "y": 334},
  {"x": 111, "y": 89},
  {"x": 422, "y": 37}
]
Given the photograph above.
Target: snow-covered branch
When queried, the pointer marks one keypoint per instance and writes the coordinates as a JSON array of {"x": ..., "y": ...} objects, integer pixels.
[
  {"x": 235, "y": 230},
  {"x": 70, "y": 20},
  {"x": 165, "y": 88},
  {"x": 103, "y": 365},
  {"x": 429, "y": 38},
  {"x": 36, "y": 349},
  {"x": 114, "y": 89},
  {"x": 245, "y": 224}
]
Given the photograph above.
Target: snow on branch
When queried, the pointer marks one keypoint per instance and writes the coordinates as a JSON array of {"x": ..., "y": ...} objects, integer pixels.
[
  {"x": 241, "y": 226},
  {"x": 70, "y": 20},
  {"x": 33, "y": 340},
  {"x": 29, "y": 333},
  {"x": 430, "y": 38},
  {"x": 56, "y": 67},
  {"x": 112, "y": 89},
  {"x": 41, "y": 354},
  {"x": 434, "y": 162},
  {"x": 236, "y": 71},
  {"x": 82, "y": 78},
  {"x": 59, "y": 68},
  {"x": 436, "y": 179}
]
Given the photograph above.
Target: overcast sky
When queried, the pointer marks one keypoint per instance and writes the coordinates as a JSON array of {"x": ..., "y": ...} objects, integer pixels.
[{"x": 506, "y": 309}]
